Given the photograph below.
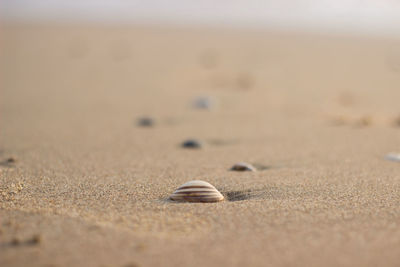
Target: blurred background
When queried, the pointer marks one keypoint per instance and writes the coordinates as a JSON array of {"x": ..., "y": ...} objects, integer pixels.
[
  {"x": 292, "y": 57},
  {"x": 363, "y": 16}
]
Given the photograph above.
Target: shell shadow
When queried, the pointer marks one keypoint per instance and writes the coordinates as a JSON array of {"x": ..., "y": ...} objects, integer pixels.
[
  {"x": 262, "y": 167},
  {"x": 241, "y": 195},
  {"x": 257, "y": 166},
  {"x": 167, "y": 200},
  {"x": 222, "y": 142}
]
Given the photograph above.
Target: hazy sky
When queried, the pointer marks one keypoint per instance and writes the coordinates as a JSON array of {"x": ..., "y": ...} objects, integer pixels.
[{"x": 364, "y": 15}]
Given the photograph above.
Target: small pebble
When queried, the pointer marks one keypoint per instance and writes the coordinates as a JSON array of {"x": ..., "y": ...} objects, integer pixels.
[
  {"x": 34, "y": 240},
  {"x": 15, "y": 241},
  {"x": 192, "y": 144},
  {"x": 204, "y": 103},
  {"x": 242, "y": 166},
  {"x": 393, "y": 157},
  {"x": 146, "y": 122}
]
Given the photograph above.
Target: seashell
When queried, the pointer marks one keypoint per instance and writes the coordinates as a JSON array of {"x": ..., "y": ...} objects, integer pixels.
[
  {"x": 197, "y": 191},
  {"x": 242, "y": 166},
  {"x": 393, "y": 157},
  {"x": 191, "y": 143}
]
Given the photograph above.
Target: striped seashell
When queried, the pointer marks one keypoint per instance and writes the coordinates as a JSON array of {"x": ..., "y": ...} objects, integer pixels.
[
  {"x": 197, "y": 191},
  {"x": 242, "y": 166}
]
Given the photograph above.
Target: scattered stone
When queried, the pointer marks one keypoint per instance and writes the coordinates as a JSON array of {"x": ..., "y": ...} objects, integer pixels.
[
  {"x": 204, "y": 103},
  {"x": 194, "y": 144},
  {"x": 9, "y": 162},
  {"x": 15, "y": 241},
  {"x": 242, "y": 166},
  {"x": 34, "y": 240},
  {"x": 146, "y": 122},
  {"x": 197, "y": 191},
  {"x": 393, "y": 157}
]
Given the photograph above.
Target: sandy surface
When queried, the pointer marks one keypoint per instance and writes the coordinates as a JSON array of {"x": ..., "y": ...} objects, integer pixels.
[{"x": 89, "y": 187}]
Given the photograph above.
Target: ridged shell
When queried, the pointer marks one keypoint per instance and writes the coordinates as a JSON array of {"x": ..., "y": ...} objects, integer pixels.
[
  {"x": 197, "y": 191},
  {"x": 242, "y": 166}
]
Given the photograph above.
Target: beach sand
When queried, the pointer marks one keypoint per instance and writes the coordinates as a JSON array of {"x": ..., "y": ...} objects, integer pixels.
[{"x": 89, "y": 186}]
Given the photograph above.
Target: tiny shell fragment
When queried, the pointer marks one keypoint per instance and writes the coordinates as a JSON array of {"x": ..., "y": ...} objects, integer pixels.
[{"x": 197, "y": 191}]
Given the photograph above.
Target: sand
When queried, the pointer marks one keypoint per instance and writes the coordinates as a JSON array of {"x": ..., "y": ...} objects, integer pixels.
[{"x": 89, "y": 187}]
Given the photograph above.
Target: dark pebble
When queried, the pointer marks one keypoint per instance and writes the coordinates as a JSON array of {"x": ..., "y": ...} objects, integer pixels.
[
  {"x": 192, "y": 144},
  {"x": 34, "y": 240},
  {"x": 203, "y": 103},
  {"x": 15, "y": 241},
  {"x": 146, "y": 122}
]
